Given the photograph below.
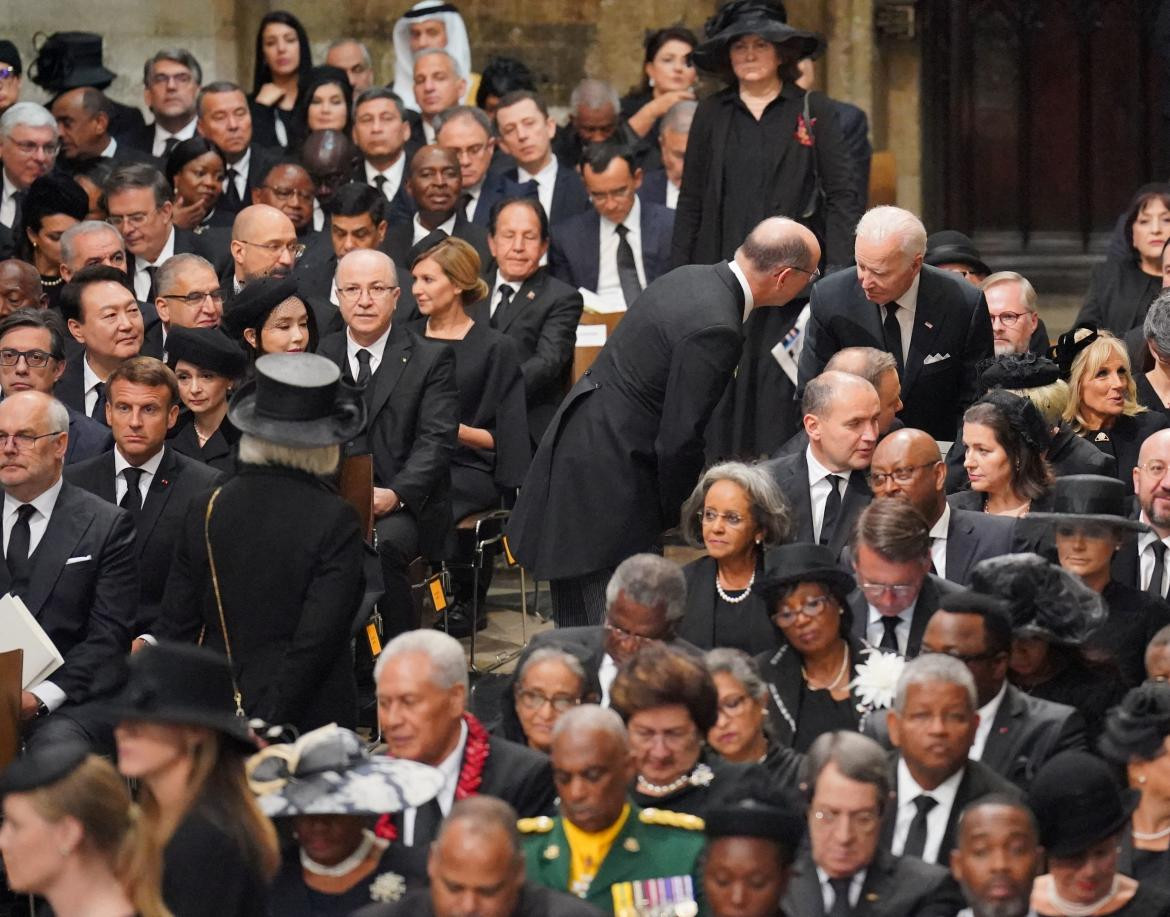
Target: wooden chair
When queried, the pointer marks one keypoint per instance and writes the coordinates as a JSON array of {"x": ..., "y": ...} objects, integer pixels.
[
  {"x": 11, "y": 665},
  {"x": 585, "y": 354},
  {"x": 883, "y": 178}
]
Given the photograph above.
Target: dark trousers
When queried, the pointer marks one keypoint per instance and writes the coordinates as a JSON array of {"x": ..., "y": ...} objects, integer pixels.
[
  {"x": 84, "y": 724},
  {"x": 472, "y": 491},
  {"x": 397, "y": 536}
]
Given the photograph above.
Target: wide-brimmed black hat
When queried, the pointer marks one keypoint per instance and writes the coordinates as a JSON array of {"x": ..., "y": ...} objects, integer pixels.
[
  {"x": 750, "y": 17},
  {"x": 43, "y": 766},
  {"x": 949, "y": 246},
  {"x": 297, "y": 399},
  {"x": 185, "y": 685},
  {"x": 1091, "y": 498},
  {"x": 207, "y": 348},
  {"x": 53, "y": 193},
  {"x": 255, "y": 301},
  {"x": 1078, "y": 803},
  {"x": 790, "y": 564},
  {"x": 67, "y": 60}
]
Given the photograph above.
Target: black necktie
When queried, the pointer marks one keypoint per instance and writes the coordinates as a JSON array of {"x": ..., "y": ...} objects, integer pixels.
[
  {"x": 380, "y": 184},
  {"x": 832, "y": 508},
  {"x": 19, "y": 540},
  {"x": 427, "y": 819},
  {"x": 626, "y": 268},
  {"x": 152, "y": 273},
  {"x": 892, "y": 332},
  {"x": 841, "y": 906},
  {"x": 231, "y": 193},
  {"x": 889, "y": 641},
  {"x": 505, "y": 298},
  {"x": 916, "y": 838},
  {"x": 1159, "y": 574},
  {"x": 169, "y": 144},
  {"x": 363, "y": 376},
  {"x": 132, "y": 500},
  {"x": 99, "y": 405}
]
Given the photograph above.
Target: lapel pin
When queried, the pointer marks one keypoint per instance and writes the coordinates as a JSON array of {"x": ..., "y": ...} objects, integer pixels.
[
  {"x": 551, "y": 852},
  {"x": 631, "y": 845},
  {"x": 929, "y": 325},
  {"x": 1003, "y": 730},
  {"x": 531, "y": 294},
  {"x": 871, "y": 896}
]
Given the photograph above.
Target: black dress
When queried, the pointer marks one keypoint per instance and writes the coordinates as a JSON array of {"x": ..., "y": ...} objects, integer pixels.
[
  {"x": 220, "y": 449},
  {"x": 1147, "y": 397},
  {"x": 207, "y": 873},
  {"x": 1119, "y": 296},
  {"x": 1092, "y": 691},
  {"x": 396, "y": 873},
  {"x": 694, "y": 798},
  {"x": 711, "y": 622},
  {"x": 1134, "y": 618}
]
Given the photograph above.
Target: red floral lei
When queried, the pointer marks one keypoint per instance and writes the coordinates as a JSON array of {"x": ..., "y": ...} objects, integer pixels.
[{"x": 475, "y": 755}]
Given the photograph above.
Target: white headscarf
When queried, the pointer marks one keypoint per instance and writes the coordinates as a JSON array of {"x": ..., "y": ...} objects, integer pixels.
[{"x": 457, "y": 45}]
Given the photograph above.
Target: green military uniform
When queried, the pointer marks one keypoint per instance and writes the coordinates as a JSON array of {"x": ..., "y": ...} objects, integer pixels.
[{"x": 653, "y": 844}]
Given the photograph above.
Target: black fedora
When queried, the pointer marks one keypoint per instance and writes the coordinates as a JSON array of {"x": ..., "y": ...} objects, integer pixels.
[
  {"x": 1078, "y": 803},
  {"x": 1091, "y": 498},
  {"x": 185, "y": 685},
  {"x": 750, "y": 17},
  {"x": 67, "y": 60},
  {"x": 949, "y": 246},
  {"x": 790, "y": 564},
  {"x": 297, "y": 399}
]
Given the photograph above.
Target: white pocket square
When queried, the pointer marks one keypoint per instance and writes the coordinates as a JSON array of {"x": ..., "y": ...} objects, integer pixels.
[
  {"x": 936, "y": 358},
  {"x": 78, "y": 560}
]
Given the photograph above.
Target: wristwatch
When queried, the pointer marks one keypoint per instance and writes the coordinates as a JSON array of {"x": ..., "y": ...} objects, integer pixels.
[{"x": 42, "y": 709}]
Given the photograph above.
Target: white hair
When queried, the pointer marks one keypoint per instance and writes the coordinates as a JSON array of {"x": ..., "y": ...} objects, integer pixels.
[
  {"x": 58, "y": 416},
  {"x": 84, "y": 228},
  {"x": 456, "y": 67},
  {"x": 26, "y": 114},
  {"x": 881, "y": 223},
  {"x": 591, "y": 716},
  {"x": 449, "y": 667},
  {"x": 594, "y": 94},
  {"x": 934, "y": 668},
  {"x": 316, "y": 460}
]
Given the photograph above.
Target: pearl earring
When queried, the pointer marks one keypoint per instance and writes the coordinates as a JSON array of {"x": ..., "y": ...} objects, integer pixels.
[
  {"x": 650, "y": 80},
  {"x": 1142, "y": 779}
]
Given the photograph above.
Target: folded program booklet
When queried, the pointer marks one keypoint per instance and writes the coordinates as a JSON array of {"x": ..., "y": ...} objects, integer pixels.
[{"x": 19, "y": 630}]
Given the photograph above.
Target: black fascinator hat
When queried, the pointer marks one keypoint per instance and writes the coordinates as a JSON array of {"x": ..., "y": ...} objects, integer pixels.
[
  {"x": 1017, "y": 371},
  {"x": 1071, "y": 343},
  {"x": 1023, "y": 417},
  {"x": 1138, "y": 726}
]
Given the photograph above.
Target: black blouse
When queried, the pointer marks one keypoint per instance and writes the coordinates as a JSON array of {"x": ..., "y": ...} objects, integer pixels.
[{"x": 220, "y": 449}]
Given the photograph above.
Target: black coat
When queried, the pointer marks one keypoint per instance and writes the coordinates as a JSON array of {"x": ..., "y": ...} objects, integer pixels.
[
  {"x": 87, "y": 437},
  {"x": 290, "y": 896},
  {"x": 542, "y": 319},
  {"x": 952, "y": 328},
  {"x": 630, "y": 432},
  {"x": 288, "y": 553},
  {"x": 203, "y": 851},
  {"x": 790, "y": 472},
  {"x": 1119, "y": 295},
  {"x": 752, "y": 631},
  {"x": 574, "y": 255},
  {"x": 535, "y": 901},
  {"x": 699, "y": 237},
  {"x": 1026, "y": 732},
  {"x": 400, "y": 240},
  {"x": 930, "y": 596},
  {"x": 1067, "y": 454},
  {"x": 219, "y": 452},
  {"x": 1134, "y": 617},
  {"x": 653, "y": 187},
  {"x": 178, "y": 482},
  {"x": 972, "y": 537},
  {"x": 1123, "y": 441}
]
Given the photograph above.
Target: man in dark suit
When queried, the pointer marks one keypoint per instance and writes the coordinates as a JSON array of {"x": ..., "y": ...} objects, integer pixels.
[
  {"x": 383, "y": 137},
  {"x": 935, "y": 324},
  {"x": 187, "y": 295},
  {"x": 171, "y": 80},
  {"x": 412, "y": 420},
  {"x": 357, "y": 219},
  {"x": 83, "y": 121},
  {"x": 70, "y": 557},
  {"x": 525, "y": 302},
  {"x": 849, "y": 790},
  {"x": 650, "y": 393},
  {"x": 1142, "y": 563},
  {"x": 1017, "y": 733},
  {"x": 933, "y": 725},
  {"x": 467, "y": 132},
  {"x": 661, "y": 186},
  {"x": 907, "y": 464},
  {"x": 825, "y": 483},
  {"x": 151, "y": 481},
  {"x": 29, "y": 150},
  {"x": 853, "y": 124},
  {"x": 264, "y": 244},
  {"x": 289, "y": 188},
  {"x": 526, "y": 133},
  {"x": 896, "y": 595},
  {"x": 998, "y": 856},
  {"x": 30, "y": 336},
  {"x": 619, "y": 245},
  {"x": 225, "y": 119}
]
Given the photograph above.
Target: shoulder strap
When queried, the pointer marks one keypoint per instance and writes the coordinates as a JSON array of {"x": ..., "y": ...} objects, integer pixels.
[{"x": 227, "y": 643}]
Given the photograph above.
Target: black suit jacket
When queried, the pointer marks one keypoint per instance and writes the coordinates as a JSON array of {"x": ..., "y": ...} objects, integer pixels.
[
  {"x": 790, "y": 472},
  {"x": 574, "y": 253},
  {"x": 893, "y": 887},
  {"x": 83, "y": 590},
  {"x": 653, "y": 190},
  {"x": 951, "y": 321},
  {"x": 542, "y": 319},
  {"x": 262, "y": 159},
  {"x": 400, "y": 208},
  {"x": 929, "y": 598},
  {"x": 854, "y": 125},
  {"x": 87, "y": 438},
  {"x": 972, "y": 537},
  {"x": 400, "y": 240},
  {"x": 630, "y": 432},
  {"x": 1026, "y": 732},
  {"x": 210, "y": 242},
  {"x": 569, "y": 195},
  {"x": 490, "y": 193},
  {"x": 535, "y": 901},
  {"x": 178, "y": 482}
]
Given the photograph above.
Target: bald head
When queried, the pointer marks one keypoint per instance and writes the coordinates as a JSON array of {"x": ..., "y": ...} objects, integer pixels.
[
  {"x": 914, "y": 456},
  {"x": 367, "y": 293},
  {"x": 592, "y": 719},
  {"x": 329, "y": 157},
  {"x": 20, "y": 286},
  {"x": 264, "y": 242},
  {"x": 258, "y": 219},
  {"x": 366, "y": 261},
  {"x": 778, "y": 258},
  {"x": 1153, "y": 489}
]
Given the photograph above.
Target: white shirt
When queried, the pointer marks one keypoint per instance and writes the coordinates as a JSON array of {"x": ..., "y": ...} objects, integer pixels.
[
  {"x": 818, "y": 489},
  {"x": 936, "y": 818},
  {"x": 938, "y": 541},
  {"x": 318, "y": 217},
  {"x": 162, "y": 135},
  {"x": 241, "y": 168},
  {"x": 606, "y": 673},
  {"x": 609, "y": 286},
  {"x": 986, "y": 717},
  {"x": 472, "y": 201},
  {"x": 449, "y": 767},
  {"x": 142, "y": 276},
  {"x": 428, "y": 130},
  {"x": 749, "y": 301},
  {"x": 376, "y": 350},
  {"x": 494, "y": 300},
  {"x": 110, "y": 150},
  {"x": 47, "y": 692},
  {"x": 91, "y": 380},
  {"x": 393, "y": 176},
  {"x": 8, "y": 205},
  {"x": 421, "y": 232},
  {"x": 907, "y": 306},
  {"x": 1146, "y": 557},
  {"x": 149, "y": 469},
  {"x": 874, "y": 629},
  {"x": 672, "y": 191},
  {"x": 828, "y": 896},
  {"x": 546, "y": 181}
]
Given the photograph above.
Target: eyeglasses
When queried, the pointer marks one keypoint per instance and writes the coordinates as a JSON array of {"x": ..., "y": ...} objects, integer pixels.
[
  {"x": 900, "y": 590},
  {"x": 296, "y": 249},
  {"x": 900, "y": 475},
  {"x": 731, "y": 520},
  {"x": 863, "y": 820},
  {"x": 130, "y": 219},
  {"x": 29, "y": 147},
  {"x": 476, "y": 149},
  {"x": 25, "y": 441},
  {"x": 626, "y": 636},
  {"x": 812, "y": 607},
  {"x": 534, "y": 700},
  {"x": 1008, "y": 319},
  {"x": 34, "y": 358},
  {"x": 1155, "y": 467},
  {"x": 813, "y": 275},
  {"x": 352, "y": 292},
  {"x": 287, "y": 194},
  {"x": 733, "y": 705},
  {"x": 179, "y": 79},
  {"x": 7, "y": 73},
  {"x": 196, "y": 297}
]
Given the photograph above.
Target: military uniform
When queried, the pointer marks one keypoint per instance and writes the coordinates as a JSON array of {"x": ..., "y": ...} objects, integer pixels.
[{"x": 652, "y": 863}]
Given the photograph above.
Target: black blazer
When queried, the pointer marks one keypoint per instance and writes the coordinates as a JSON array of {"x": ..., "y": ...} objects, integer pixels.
[
  {"x": 1126, "y": 437},
  {"x": 951, "y": 321},
  {"x": 399, "y": 208},
  {"x": 210, "y": 242},
  {"x": 781, "y": 673},
  {"x": 790, "y": 472},
  {"x": 653, "y": 190},
  {"x": 893, "y": 887},
  {"x": 929, "y": 598},
  {"x": 630, "y": 432},
  {"x": 262, "y": 159},
  {"x": 490, "y": 193},
  {"x": 177, "y": 484},
  {"x": 542, "y": 319},
  {"x": 535, "y": 901},
  {"x": 1119, "y": 296},
  {"x": 83, "y": 590},
  {"x": 574, "y": 253},
  {"x": 854, "y": 125},
  {"x": 1026, "y": 732},
  {"x": 400, "y": 240},
  {"x": 569, "y": 195},
  {"x": 972, "y": 537},
  {"x": 412, "y": 406},
  {"x": 200, "y": 848},
  {"x": 756, "y": 631},
  {"x": 87, "y": 437}
]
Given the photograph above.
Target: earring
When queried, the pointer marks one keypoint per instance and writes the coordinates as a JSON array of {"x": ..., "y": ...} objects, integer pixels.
[
  {"x": 650, "y": 80},
  {"x": 1142, "y": 779}
]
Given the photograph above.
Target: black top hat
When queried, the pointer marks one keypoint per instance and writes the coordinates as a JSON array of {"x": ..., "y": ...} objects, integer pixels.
[
  {"x": 10, "y": 56},
  {"x": 297, "y": 399},
  {"x": 207, "y": 348},
  {"x": 949, "y": 246},
  {"x": 1017, "y": 371},
  {"x": 1091, "y": 498},
  {"x": 750, "y": 17},
  {"x": 182, "y": 684},
  {"x": 67, "y": 60},
  {"x": 43, "y": 766},
  {"x": 1077, "y": 803},
  {"x": 790, "y": 564}
]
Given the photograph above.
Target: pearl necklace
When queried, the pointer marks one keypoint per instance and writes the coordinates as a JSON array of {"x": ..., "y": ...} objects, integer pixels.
[
  {"x": 739, "y": 598},
  {"x": 346, "y": 866},
  {"x": 655, "y": 789},
  {"x": 1151, "y": 836},
  {"x": 840, "y": 672},
  {"x": 1071, "y": 909}
]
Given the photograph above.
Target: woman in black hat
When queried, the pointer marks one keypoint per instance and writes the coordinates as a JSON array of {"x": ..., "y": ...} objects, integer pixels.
[
  {"x": 1082, "y": 814},
  {"x": 762, "y": 146},
  {"x": 282, "y": 63},
  {"x": 178, "y": 737},
  {"x": 208, "y": 366},
  {"x": 52, "y": 204},
  {"x": 71, "y": 837},
  {"x": 269, "y": 317},
  {"x": 195, "y": 169},
  {"x": 806, "y": 594}
]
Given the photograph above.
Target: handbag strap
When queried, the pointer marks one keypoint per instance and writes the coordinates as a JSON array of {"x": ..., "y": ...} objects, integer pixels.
[{"x": 227, "y": 643}]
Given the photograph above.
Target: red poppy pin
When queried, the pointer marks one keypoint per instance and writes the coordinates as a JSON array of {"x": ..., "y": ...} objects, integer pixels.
[{"x": 802, "y": 133}]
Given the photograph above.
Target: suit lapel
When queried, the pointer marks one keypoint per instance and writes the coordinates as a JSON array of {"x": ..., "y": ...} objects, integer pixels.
[
  {"x": 528, "y": 292},
  {"x": 481, "y": 311},
  {"x": 394, "y": 360},
  {"x": 67, "y": 524},
  {"x": 649, "y": 229},
  {"x": 106, "y": 480},
  {"x": 923, "y": 609},
  {"x": 962, "y": 541},
  {"x": 804, "y": 889},
  {"x": 591, "y": 251},
  {"x": 797, "y": 491},
  {"x": 997, "y": 751},
  {"x": 928, "y": 319},
  {"x": 857, "y": 495},
  {"x": 877, "y": 885},
  {"x": 161, "y": 486}
]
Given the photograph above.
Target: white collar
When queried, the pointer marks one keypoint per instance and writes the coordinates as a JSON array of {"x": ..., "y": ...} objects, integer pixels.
[
  {"x": 44, "y": 501},
  {"x": 453, "y": 763},
  {"x": 632, "y": 222},
  {"x": 421, "y": 232},
  {"x": 168, "y": 249},
  {"x": 909, "y": 299},
  {"x": 110, "y": 150},
  {"x": 1145, "y": 539},
  {"x": 943, "y": 794},
  {"x": 241, "y": 164},
  {"x": 817, "y": 471},
  {"x": 749, "y": 301},
  {"x": 547, "y": 175},
  {"x": 10, "y": 185},
  {"x": 150, "y": 466},
  {"x": 377, "y": 348},
  {"x": 855, "y": 881},
  {"x": 89, "y": 377},
  {"x": 943, "y": 524},
  {"x": 186, "y": 132},
  {"x": 988, "y": 711},
  {"x": 392, "y": 172}
]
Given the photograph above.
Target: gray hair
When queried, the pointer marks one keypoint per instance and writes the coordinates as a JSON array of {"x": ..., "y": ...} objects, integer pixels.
[
  {"x": 726, "y": 660},
  {"x": 649, "y": 580},
  {"x": 316, "y": 460},
  {"x": 824, "y": 390},
  {"x": 216, "y": 88},
  {"x": 483, "y": 814},
  {"x": 931, "y": 668},
  {"x": 1027, "y": 291},
  {"x": 449, "y": 667},
  {"x": 378, "y": 92},
  {"x": 58, "y": 416},
  {"x": 680, "y": 117},
  {"x": 455, "y": 112},
  {"x": 552, "y": 654},
  {"x": 169, "y": 270},
  {"x": 594, "y": 94},
  {"x": 138, "y": 175},
  {"x": 84, "y": 228},
  {"x": 591, "y": 716},
  {"x": 857, "y": 757},
  {"x": 886, "y": 222},
  {"x": 341, "y": 42},
  {"x": 1156, "y": 326},
  {"x": 868, "y": 362},
  {"x": 456, "y": 67},
  {"x": 769, "y": 508},
  {"x": 175, "y": 56},
  {"x": 26, "y": 114}
]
